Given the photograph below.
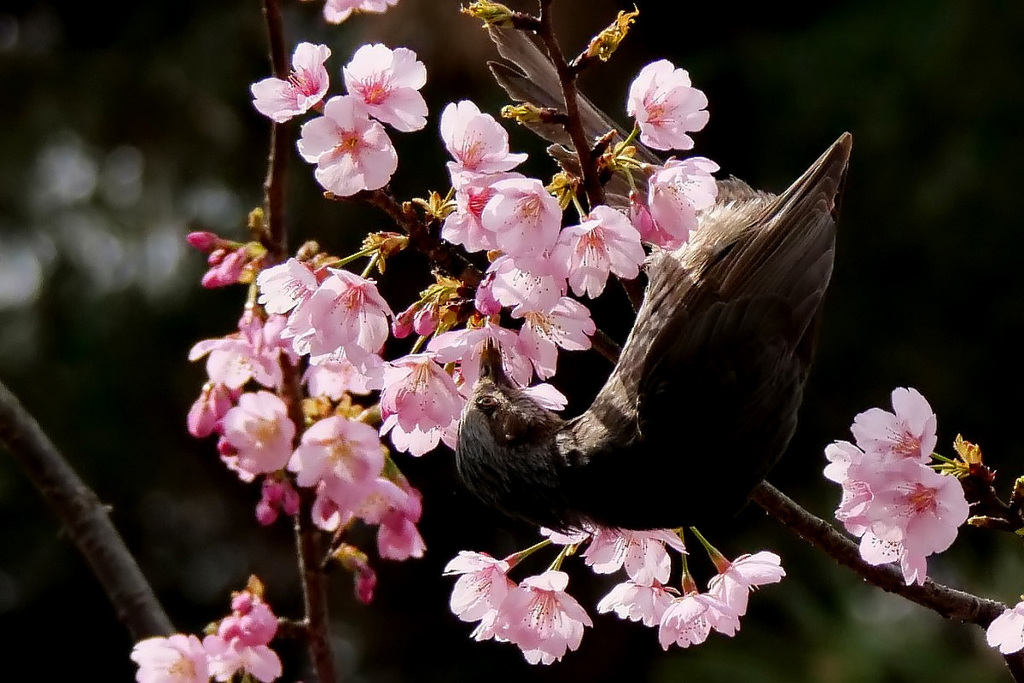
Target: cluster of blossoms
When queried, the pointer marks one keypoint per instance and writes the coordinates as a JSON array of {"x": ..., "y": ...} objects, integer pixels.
[
  {"x": 237, "y": 645},
  {"x": 544, "y": 621},
  {"x": 899, "y": 506}
]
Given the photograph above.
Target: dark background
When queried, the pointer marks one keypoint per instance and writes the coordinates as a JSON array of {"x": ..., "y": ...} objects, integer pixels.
[{"x": 123, "y": 129}]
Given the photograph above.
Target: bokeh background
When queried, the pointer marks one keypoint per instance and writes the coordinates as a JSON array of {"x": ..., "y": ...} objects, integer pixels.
[{"x": 123, "y": 128}]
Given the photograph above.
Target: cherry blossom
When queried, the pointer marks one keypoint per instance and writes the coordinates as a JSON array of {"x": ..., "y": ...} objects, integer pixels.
[
  {"x": 567, "y": 324},
  {"x": 463, "y": 225},
  {"x": 637, "y": 602},
  {"x": 542, "y": 619},
  {"x": 476, "y": 141},
  {"x": 524, "y": 217},
  {"x": 665, "y": 106},
  {"x": 285, "y": 286},
  {"x": 419, "y": 400},
  {"x": 1006, "y": 632},
  {"x": 466, "y": 346},
  {"x": 481, "y": 587},
  {"x": 334, "y": 378},
  {"x": 346, "y": 312},
  {"x": 343, "y": 454},
  {"x": 688, "y": 620},
  {"x": 908, "y": 432},
  {"x": 397, "y": 536},
  {"x": 735, "y": 580},
  {"x": 337, "y": 11},
  {"x": 175, "y": 659},
  {"x": 605, "y": 242},
  {"x": 259, "y": 431},
  {"x": 386, "y": 82},
  {"x": 527, "y": 283},
  {"x": 352, "y": 152},
  {"x": 240, "y": 643},
  {"x": 251, "y": 353},
  {"x": 642, "y": 553},
  {"x": 676, "y": 193},
  {"x": 306, "y": 85},
  {"x": 546, "y": 396}
]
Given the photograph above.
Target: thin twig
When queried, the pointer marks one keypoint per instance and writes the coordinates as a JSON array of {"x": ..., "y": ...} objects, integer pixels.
[
  {"x": 84, "y": 519},
  {"x": 946, "y": 601},
  {"x": 574, "y": 126},
  {"x": 314, "y": 589}
]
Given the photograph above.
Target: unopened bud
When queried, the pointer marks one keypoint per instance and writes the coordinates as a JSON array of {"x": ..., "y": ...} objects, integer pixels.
[
  {"x": 203, "y": 241},
  {"x": 308, "y": 250},
  {"x": 604, "y": 43},
  {"x": 491, "y": 13},
  {"x": 563, "y": 187},
  {"x": 529, "y": 113}
]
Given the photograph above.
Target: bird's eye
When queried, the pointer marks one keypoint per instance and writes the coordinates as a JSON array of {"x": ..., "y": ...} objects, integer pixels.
[{"x": 486, "y": 403}]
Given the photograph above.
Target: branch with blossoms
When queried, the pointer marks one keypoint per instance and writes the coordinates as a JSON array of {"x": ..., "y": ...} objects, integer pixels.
[{"x": 300, "y": 397}]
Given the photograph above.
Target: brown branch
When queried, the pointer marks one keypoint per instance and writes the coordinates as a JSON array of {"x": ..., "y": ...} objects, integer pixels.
[
  {"x": 574, "y": 126},
  {"x": 946, "y": 601},
  {"x": 84, "y": 519},
  {"x": 314, "y": 589}
]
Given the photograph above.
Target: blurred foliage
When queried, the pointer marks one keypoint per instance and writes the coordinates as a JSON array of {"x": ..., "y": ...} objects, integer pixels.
[{"x": 125, "y": 126}]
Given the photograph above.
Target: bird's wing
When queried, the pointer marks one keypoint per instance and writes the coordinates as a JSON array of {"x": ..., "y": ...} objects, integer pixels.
[{"x": 726, "y": 325}]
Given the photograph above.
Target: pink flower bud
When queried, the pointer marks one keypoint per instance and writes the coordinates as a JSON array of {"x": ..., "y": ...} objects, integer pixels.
[
  {"x": 227, "y": 271},
  {"x": 425, "y": 321},
  {"x": 203, "y": 241},
  {"x": 402, "y": 325},
  {"x": 266, "y": 514}
]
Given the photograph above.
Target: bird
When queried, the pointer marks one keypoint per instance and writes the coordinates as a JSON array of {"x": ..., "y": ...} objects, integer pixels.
[{"x": 704, "y": 397}]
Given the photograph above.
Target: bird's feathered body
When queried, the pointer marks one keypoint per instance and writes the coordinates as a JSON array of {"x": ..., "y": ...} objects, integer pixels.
[{"x": 704, "y": 397}]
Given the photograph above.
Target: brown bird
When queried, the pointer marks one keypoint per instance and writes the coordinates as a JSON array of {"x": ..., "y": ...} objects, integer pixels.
[{"x": 704, "y": 397}]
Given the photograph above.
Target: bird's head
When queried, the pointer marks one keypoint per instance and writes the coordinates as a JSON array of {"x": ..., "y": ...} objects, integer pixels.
[{"x": 498, "y": 413}]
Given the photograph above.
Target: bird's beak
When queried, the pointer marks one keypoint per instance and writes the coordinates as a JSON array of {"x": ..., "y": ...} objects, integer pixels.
[{"x": 490, "y": 361}]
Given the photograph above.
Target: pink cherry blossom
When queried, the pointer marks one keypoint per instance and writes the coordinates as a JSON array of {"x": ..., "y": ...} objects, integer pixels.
[
  {"x": 343, "y": 454},
  {"x": 419, "y": 399},
  {"x": 908, "y": 432},
  {"x": 463, "y": 225},
  {"x": 637, "y": 602},
  {"x": 688, "y": 620},
  {"x": 546, "y": 396},
  {"x": 921, "y": 509},
  {"x": 733, "y": 583},
  {"x": 476, "y": 141},
  {"x": 334, "y": 378},
  {"x": 642, "y": 553},
  {"x": 542, "y": 619},
  {"x": 251, "y": 622},
  {"x": 606, "y": 242},
  {"x": 206, "y": 413},
  {"x": 285, "y": 286},
  {"x": 176, "y": 659},
  {"x": 527, "y": 283},
  {"x": 567, "y": 325},
  {"x": 337, "y": 11},
  {"x": 524, "y": 217},
  {"x": 676, "y": 193},
  {"x": 665, "y": 106},
  {"x": 482, "y": 585},
  {"x": 352, "y": 152},
  {"x": 260, "y": 432},
  {"x": 1006, "y": 632},
  {"x": 386, "y": 82},
  {"x": 346, "y": 312},
  {"x": 465, "y": 347},
  {"x": 641, "y": 219},
  {"x": 228, "y": 659},
  {"x": 570, "y": 537},
  {"x": 306, "y": 85},
  {"x": 251, "y": 353},
  {"x": 225, "y": 267},
  {"x": 397, "y": 537}
]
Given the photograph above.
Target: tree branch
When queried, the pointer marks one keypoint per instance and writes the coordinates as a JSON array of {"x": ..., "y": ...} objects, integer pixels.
[
  {"x": 946, "y": 601},
  {"x": 314, "y": 588},
  {"x": 84, "y": 519},
  {"x": 574, "y": 125}
]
